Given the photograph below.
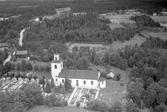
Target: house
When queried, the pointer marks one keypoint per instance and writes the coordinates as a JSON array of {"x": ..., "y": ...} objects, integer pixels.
[
  {"x": 21, "y": 54},
  {"x": 164, "y": 11},
  {"x": 82, "y": 78},
  {"x": 61, "y": 11},
  {"x": 110, "y": 75}
]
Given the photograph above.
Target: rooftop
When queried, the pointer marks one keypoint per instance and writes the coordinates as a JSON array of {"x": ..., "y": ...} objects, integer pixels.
[
  {"x": 21, "y": 52},
  {"x": 57, "y": 61},
  {"x": 79, "y": 74}
]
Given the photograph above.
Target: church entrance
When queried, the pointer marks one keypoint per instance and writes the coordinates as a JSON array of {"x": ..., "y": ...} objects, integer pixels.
[{"x": 77, "y": 83}]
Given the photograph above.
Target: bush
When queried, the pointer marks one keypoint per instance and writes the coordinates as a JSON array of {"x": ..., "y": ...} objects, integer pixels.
[
  {"x": 97, "y": 105},
  {"x": 118, "y": 77},
  {"x": 35, "y": 68},
  {"x": 87, "y": 96},
  {"x": 41, "y": 68},
  {"x": 47, "y": 68},
  {"x": 78, "y": 103},
  {"x": 53, "y": 100}
]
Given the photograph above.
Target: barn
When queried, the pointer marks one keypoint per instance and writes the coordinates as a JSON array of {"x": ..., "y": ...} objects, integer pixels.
[{"x": 82, "y": 78}]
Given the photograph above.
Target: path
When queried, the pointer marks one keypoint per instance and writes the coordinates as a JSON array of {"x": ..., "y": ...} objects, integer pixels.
[
  {"x": 21, "y": 37},
  {"x": 7, "y": 59}
]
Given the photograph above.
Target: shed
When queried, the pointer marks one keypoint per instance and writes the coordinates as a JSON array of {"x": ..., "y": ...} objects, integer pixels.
[{"x": 110, "y": 75}]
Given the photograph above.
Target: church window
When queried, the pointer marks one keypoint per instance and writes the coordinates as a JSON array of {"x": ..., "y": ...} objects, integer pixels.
[
  {"x": 56, "y": 79},
  {"x": 62, "y": 80},
  {"x": 84, "y": 82},
  {"x": 55, "y": 66},
  {"x": 91, "y": 82}
]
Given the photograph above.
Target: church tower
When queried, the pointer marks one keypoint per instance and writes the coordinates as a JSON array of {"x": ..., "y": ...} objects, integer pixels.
[{"x": 56, "y": 68}]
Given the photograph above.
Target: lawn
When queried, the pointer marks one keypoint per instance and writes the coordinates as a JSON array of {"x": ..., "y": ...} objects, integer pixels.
[
  {"x": 160, "y": 19},
  {"x": 124, "y": 73},
  {"x": 112, "y": 93},
  {"x": 115, "y": 25},
  {"x": 162, "y": 35},
  {"x": 118, "y": 18},
  {"x": 83, "y": 45},
  {"x": 56, "y": 109},
  {"x": 136, "y": 40}
]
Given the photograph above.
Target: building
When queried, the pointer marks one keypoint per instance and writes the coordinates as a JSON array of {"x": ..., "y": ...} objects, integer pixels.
[
  {"x": 62, "y": 11},
  {"x": 164, "y": 11},
  {"x": 82, "y": 78},
  {"x": 21, "y": 54}
]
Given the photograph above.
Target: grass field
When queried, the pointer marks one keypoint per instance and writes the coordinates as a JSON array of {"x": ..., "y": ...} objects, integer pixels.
[
  {"x": 115, "y": 25},
  {"x": 56, "y": 109},
  {"x": 136, "y": 40},
  {"x": 162, "y": 35},
  {"x": 83, "y": 45},
  {"x": 112, "y": 93},
  {"x": 160, "y": 19},
  {"x": 119, "y": 18},
  {"x": 124, "y": 74}
]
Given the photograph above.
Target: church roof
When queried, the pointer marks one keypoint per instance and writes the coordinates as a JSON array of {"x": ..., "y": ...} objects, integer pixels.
[
  {"x": 79, "y": 74},
  {"x": 57, "y": 61}
]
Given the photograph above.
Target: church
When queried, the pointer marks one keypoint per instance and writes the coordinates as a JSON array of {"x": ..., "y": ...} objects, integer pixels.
[{"x": 81, "y": 78}]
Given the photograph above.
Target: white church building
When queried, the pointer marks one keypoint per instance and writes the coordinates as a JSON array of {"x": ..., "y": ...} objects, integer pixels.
[{"x": 82, "y": 78}]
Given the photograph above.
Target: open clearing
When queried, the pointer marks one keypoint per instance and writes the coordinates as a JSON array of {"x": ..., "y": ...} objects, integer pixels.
[
  {"x": 124, "y": 74},
  {"x": 56, "y": 109},
  {"x": 136, "y": 40},
  {"x": 118, "y": 18},
  {"x": 115, "y": 25},
  {"x": 83, "y": 45},
  {"x": 162, "y": 35},
  {"x": 112, "y": 93},
  {"x": 160, "y": 19}
]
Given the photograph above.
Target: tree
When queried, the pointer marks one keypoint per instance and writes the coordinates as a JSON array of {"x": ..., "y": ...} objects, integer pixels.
[
  {"x": 149, "y": 97},
  {"x": 63, "y": 90},
  {"x": 97, "y": 59},
  {"x": 42, "y": 81},
  {"x": 33, "y": 93},
  {"x": 117, "y": 107},
  {"x": 124, "y": 64},
  {"x": 118, "y": 77},
  {"x": 69, "y": 62},
  {"x": 82, "y": 63},
  {"x": 75, "y": 49},
  {"x": 97, "y": 105},
  {"x": 18, "y": 67},
  {"x": 67, "y": 84},
  {"x": 23, "y": 65},
  {"x": 29, "y": 66},
  {"x": 18, "y": 107},
  {"x": 35, "y": 68},
  {"x": 48, "y": 87},
  {"x": 163, "y": 82},
  {"x": 1, "y": 59},
  {"x": 52, "y": 83},
  {"x": 131, "y": 107},
  {"x": 8, "y": 67}
]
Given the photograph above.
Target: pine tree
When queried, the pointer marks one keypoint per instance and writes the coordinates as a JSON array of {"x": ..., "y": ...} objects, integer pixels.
[
  {"x": 63, "y": 90},
  {"x": 52, "y": 83},
  {"x": 48, "y": 87}
]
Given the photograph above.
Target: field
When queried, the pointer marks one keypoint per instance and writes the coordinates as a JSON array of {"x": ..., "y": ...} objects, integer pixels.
[
  {"x": 160, "y": 19},
  {"x": 56, "y": 109},
  {"x": 115, "y": 25},
  {"x": 70, "y": 46},
  {"x": 112, "y": 93},
  {"x": 136, "y": 40},
  {"x": 118, "y": 18},
  {"x": 162, "y": 35}
]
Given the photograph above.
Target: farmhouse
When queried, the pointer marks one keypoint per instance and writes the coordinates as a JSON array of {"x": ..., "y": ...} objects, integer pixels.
[
  {"x": 82, "y": 78},
  {"x": 21, "y": 54},
  {"x": 61, "y": 11}
]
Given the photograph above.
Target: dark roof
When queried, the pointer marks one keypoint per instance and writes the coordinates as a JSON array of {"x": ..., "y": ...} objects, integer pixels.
[
  {"x": 79, "y": 74},
  {"x": 101, "y": 79}
]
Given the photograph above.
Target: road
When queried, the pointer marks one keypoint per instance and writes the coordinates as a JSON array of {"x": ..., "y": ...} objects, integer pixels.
[{"x": 21, "y": 37}]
